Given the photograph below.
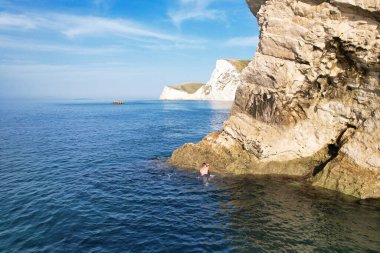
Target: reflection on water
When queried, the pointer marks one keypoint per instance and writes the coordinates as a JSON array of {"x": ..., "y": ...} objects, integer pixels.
[
  {"x": 217, "y": 118},
  {"x": 209, "y": 114},
  {"x": 273, "y": 214},
  {"x": 220, "y": 105}
]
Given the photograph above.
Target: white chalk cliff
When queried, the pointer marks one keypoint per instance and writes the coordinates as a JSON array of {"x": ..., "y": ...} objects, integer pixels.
[
  {"x": 222, "y": 85},
  {"x": 180, "y": 92}
]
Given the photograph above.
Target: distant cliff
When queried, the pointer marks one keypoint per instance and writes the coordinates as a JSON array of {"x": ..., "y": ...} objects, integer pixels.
[
  {"x": 181, "y": 92},
  {"x": 309, "y": 102},
  {"x": 222, "y": 85}
]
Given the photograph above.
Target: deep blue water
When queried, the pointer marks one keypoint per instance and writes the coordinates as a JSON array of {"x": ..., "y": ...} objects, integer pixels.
[{"x": 91, "y": 177}]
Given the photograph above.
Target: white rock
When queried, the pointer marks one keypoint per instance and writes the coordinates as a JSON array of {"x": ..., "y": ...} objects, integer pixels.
[
  {"x": 223, "y": 83},
  {"x": 221, "y": 87},
  {"x": 170, "y": 93}
]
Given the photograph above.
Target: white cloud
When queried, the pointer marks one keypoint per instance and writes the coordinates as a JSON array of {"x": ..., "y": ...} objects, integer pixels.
[
  {"x": 73, "y": 26},
  {"x": 249, "y": 41},
  {"x": 14, "y": 43},
  {"x": 17, "y": 21},
  {"x": 76, "y": 26},
  {"x": 194, "y": 10}
]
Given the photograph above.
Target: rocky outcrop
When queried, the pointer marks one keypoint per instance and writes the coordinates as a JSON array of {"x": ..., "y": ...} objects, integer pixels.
[
  {"x": 309, "y": 102},
  {"x": 222, "y": 85}
]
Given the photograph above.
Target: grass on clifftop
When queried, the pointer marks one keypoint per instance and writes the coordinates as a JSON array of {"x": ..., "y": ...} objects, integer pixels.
[
  {"x": 239, "y": 64},
  {"x": 190, "y": 88}
]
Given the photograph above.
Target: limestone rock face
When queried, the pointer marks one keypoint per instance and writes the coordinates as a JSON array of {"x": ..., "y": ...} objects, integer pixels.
[
  {"x": 309, "y": 102},
  {"x": 222, "y": 85}
]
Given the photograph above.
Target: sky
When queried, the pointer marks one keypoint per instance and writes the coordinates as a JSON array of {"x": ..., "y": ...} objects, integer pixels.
[{"x": 117, "y": 49}]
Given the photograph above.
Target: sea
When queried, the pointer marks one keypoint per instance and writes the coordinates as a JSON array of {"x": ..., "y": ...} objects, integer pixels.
[{"x": 89, "y": 176}]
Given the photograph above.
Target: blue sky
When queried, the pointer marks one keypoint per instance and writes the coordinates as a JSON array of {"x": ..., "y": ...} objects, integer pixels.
[{"x": 117, "y": 49}]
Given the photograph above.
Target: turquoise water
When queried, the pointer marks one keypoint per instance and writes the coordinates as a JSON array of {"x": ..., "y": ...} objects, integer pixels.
[{"x": 91, "y": 177}]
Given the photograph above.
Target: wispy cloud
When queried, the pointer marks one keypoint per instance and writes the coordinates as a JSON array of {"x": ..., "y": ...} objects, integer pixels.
[
  {"x": 194, "y": 10},
  {"x": 17, "y": 21},
  {"x": 249, "y": 41},
  {"x": 74, "y": 26},
  {"x": 28, "y": 45},
  {"x": 101, "y": 3}
]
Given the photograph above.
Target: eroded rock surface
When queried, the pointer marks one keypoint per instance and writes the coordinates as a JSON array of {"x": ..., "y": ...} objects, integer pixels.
[{"x": 309, "y": 102}]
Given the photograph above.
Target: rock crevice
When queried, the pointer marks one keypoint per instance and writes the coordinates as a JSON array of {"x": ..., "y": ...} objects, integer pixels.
[{"x": 333, "y": 150}]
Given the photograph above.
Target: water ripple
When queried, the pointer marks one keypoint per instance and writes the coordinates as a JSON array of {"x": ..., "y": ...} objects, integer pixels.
[{"x": 94, "y": 178}]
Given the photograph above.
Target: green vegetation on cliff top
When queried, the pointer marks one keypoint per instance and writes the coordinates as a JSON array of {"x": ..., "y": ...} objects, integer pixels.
[
  {"x": 190, "y": 88},
  {"x": 239, "y": 64}
]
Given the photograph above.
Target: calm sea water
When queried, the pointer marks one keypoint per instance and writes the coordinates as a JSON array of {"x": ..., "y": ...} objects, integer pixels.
[{"x": 91, "y": 177}]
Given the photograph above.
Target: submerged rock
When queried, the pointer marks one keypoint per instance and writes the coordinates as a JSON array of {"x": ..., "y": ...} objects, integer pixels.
[
  {"x": 222, "y": 85},
  {"x": 309, "y": 102}
]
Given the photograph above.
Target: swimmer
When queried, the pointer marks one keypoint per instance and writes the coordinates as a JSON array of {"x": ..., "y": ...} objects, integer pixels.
[
  {"x": 205, "y": 173},
  {"x": 204, "y": 169}
]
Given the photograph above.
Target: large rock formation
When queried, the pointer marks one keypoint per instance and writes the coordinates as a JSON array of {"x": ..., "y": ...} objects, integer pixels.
[
  {"x": 309, "y": 102},
  {"x": 222, "y": 85}
]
